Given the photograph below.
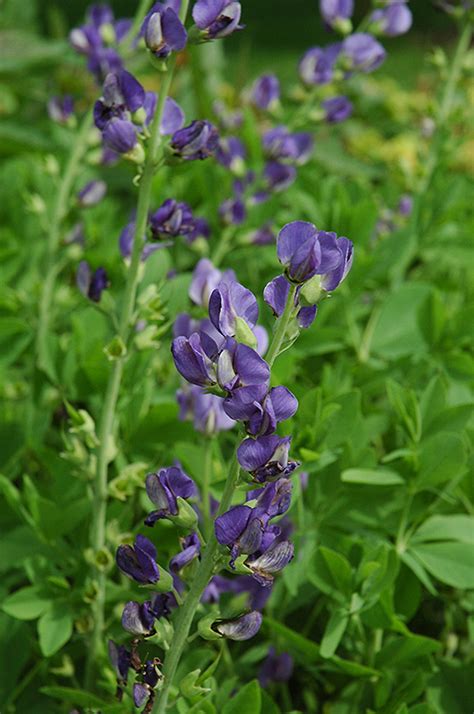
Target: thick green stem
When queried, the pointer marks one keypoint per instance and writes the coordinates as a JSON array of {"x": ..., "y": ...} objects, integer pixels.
[
  {"x": 186, "y": 613},
  {"x": 281, "y": 327},
  {"x": 206, "y": 567},
  {"x": 59, "y": 211},
  {"x": 113, "y": 387}
]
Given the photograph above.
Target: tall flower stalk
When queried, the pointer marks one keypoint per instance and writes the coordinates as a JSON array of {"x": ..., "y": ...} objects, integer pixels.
[{"x": 107, "y": 418}]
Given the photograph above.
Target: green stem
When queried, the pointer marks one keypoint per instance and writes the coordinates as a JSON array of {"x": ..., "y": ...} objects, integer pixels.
[
  {"x": 186, "y": 613},
  {"x": 205, "y": 490},
  {"x": 59, "y": 211},
  {"x": 223, "y": 246},
  {"x": 115, "y": 377},
  {"x": 137, "y": 21},
  {"x": 281, "y": 327}
]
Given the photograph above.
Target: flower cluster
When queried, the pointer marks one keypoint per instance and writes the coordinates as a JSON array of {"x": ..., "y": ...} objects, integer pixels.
[
  {"x": 315, "y": 261},
  {"x": 98, "y": 40}
]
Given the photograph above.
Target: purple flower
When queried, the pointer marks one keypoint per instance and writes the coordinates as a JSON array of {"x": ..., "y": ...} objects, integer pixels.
[
  {"x": 92, "y": 194},
  {"x": 257, "y": 594},
  {"x": 274, "y": 497},
  {"x": 126, "y": 243},
  {"x": 139, "y": 561},
  {"x": 396, "y": 19},
  {"x": 336, "y": 13},
  {"x": 61, "y": 109},
  {"x": 232, "y": 212},
  {"x": 217, "y": 18},
  {"x": 138, "y": 619},
  {"x": 196, "y": 141},
  {"x": 275, "y": 295},
  {"x": 280, "y": 145},
  {"x": 317, "y": 64},
  {"x": 173, "y": 116},
  {"x": 190, "y": 549},
  {"x": 304, "y": 251},
  {"x": 261, "y": 412},
  {"x": 271, "y": 561},
  {"x": 121, "y": 136},
  {"x": 405, "y": 205},
  {"x": 230, "y": 304},
  {"x": 92, "y": 38},
  {"x": 141, "y": 694},
  {"x": 164, "y": 32},
  {"x": 205, "y": 279},
  {"x": 275, "y": 668},
  {"x": 266, "y": 457},
  {"x": 265, "y": 92},
  {"x": 120, "y": 659},
  {"x": 263, "y": 235},
  {"x": 278, "y": 176},
  {"x": 193, "y": 358},
  {"x": 362, "y": 52},
  {"x": 239, "y": 366},
  {"x": 122, "y": 95},
  {"x": 173, "y": 218},
  {"x": 164, "y": 488},
  {"x": 332, "y": 279},
  {"x": 240, "y": 628},
  {"x": 337, "y": 109},
  {"x": 231, "y": 153},
  {"x": 91, "y": 284},
  {"x": 206, "y": 410}
]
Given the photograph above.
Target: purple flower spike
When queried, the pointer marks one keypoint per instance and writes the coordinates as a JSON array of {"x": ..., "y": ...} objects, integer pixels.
[
  {"x": 196, "y": 141},
  {"x": 275, "y": 295},
  {"x": 122, "y": 95},
  {"x": 261, "y": 412},
  {"x": 275, "y": 668},
  {"x": 266, "y": 457},
  {"x": 336, "y": 13},
  {"x": 362, "y": 52},
  {"x": 337, "y": 109},
  {"x": 173, "y": 218},
  {"x": 396, "y": 19},
  {"x": 163, "y": 489},
  {"x": 92, "y": 194},
  {"x": 164, "y": 32},
  {"x": 230, "y": 302},
  {"x": 91, "y": 284},
  {"x": 271, "y": 561},
  {"x": 265, "y": 92},
  {"x": 192, "y": 360},
  {"x": 317, "y": 64},
  {"x": 241, "y": 366},
  {"x": 121, "y": 136},
  {"x": 138, "y": 619},
  {"x": 332, "y": 279},
  {"x": 217, "y": 18},
  {"x": 242, "y": 628},
  {"x": 304, "y": 251},
  {"x": 139, "y": 561}
]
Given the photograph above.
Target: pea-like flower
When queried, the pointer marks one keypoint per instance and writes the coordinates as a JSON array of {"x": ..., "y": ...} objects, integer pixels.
[
  {"x": 337, "y": 109},
  {"x": 231, "y": 154},
  {"x": 172, "y": 218},
  {"x": 333, "y": 278},
  {"x": 122, "y": 95},
  {"x": 317, "y": 64},
  {"x": 266, "y": 457},
  {"x": 275, "y": 295},
  {"x": 139, "y": 561},
  {"x": 361, "y": 52},
  {"x": 279, "y": 144},
  {"x": 121, "y": 136},
  {"x": 217, "y": 18},
  {"x": 163, "y": 31},
  {"x": 138, "y": 619},
  {"x": 337, "y": 13},
  {"x": 120, "y": 659},
  {"x": 241, "y": 628},
  {"x": 196, "y": 141},
  {"x": 305, "y": 251},
  {"x": 190, "y": 549},
  {"x": 91, "y": 284},
  {"x": 206, "y": 277},
  {"x": 391, "y": 21},
  {"x": 278, "y": 176},
  {"x": 193, "y": 357},
  {"x": 239, "y": 365},
  {"x": 265, "y": 92},
  {"x": 275, "y": 668},
  {"x": 270, "y": 561},
  {"x": 61, "y": 109},
  {"x": 261, "y": 412},
  {"x": 164, "y": 488},
  {"x": 91, "y": 194},
  {"x": 206, "y": 410},
  {"x": 232, "y": 307}
]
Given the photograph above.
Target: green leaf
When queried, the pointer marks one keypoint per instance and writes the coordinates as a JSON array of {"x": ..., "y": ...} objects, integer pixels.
[
  {"x": 458, "y": 527},
  {"x": 332, "y": 573},
  {"x": 294, "y": 640},
  {"x": 372, "y": 477},
  {"x": 403, "y": 649},
  {"x": 268, "y": 705},
  {"x": 452, "y": 563},
  {"x": 247, "y": 700},
  {"x": 397, "y": 332},
  {"x": 78, "y": 697},
  {"x": 450, "y": 690},
  {"x": 333, "y": 633},
  {"x": 25, "y": 604},
  {"x": 54, "y": 630},
  {"x": 418, "y": 570},
  {"x": 442, "y": 459}
]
